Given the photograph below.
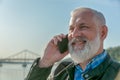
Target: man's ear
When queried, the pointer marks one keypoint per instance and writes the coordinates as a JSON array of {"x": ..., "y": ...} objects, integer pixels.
[{"x": 104, "y": 32}]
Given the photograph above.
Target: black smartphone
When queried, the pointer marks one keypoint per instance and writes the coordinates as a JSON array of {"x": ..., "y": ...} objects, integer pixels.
[{"x": 63, "y": 45}]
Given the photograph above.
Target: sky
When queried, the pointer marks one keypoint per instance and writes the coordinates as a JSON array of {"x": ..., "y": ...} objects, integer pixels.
[{"x": 30, "y": 24}]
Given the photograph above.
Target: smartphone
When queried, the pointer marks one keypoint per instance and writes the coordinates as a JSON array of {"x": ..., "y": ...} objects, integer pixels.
[{"x": 63, "y": 45}]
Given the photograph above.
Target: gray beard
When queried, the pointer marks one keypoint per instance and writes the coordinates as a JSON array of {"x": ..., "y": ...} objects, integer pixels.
[{"x": 88, "y": 52}]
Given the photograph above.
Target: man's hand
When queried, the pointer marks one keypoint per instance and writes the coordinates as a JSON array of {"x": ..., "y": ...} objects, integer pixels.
[{"x": 51, "y": 53}]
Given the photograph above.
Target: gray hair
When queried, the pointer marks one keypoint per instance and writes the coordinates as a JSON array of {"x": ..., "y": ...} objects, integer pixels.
[{"x": 98, "y": 16}]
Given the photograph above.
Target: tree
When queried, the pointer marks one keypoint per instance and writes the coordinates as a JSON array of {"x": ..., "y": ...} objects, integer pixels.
[{"x": 114, "y": 52}]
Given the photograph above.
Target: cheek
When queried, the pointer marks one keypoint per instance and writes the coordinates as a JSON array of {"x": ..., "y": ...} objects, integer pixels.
[{"x": 90, "y": 36}]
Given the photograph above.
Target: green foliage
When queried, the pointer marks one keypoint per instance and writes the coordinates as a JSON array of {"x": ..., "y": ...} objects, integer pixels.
[{"x": 114, "y": 52}]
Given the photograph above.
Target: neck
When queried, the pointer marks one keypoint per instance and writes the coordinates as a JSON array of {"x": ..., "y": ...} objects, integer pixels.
[{"x": 83, "y": 65}]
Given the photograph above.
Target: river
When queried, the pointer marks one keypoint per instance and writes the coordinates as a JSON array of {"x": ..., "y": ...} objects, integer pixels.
[{"x": 13, "y": 71}]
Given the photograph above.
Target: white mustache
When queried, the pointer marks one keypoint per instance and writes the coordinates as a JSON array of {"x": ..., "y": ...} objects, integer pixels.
[{"x": 78, "y": 39}]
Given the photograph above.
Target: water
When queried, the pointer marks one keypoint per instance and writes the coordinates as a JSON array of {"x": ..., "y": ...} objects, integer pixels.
[
  {"x": 17, "y": 71},
  {"x": 13, "y": 71}
]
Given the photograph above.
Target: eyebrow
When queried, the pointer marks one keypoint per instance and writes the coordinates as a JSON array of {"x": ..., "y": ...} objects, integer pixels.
[{"x": 81, "y": 24}]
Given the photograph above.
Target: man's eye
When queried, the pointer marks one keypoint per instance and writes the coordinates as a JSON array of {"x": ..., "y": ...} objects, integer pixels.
[{"x": 83, "y": 27}]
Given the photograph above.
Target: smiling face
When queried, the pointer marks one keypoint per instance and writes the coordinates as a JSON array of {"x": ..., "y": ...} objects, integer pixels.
[{"x": 85, "y": 38}]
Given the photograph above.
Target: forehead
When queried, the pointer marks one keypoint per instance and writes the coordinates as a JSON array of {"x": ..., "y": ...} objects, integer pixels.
[{"x": 82, "y": 17}]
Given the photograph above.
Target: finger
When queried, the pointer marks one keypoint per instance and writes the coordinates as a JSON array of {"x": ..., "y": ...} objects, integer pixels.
[
  {"x": 55, "y": 40},
  {"x": 59, "y": 38},
  {"x": 63, "y": 36}
]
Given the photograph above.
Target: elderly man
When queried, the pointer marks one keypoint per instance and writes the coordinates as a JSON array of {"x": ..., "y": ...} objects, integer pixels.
[{"x": 87, "y": 32}]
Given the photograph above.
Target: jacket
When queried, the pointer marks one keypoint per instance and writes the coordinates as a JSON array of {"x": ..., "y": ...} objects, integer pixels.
[{"x": 107, "y": 70}]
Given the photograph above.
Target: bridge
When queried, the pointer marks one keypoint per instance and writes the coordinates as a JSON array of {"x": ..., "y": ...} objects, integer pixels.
[{"x": 23, "y": 57}]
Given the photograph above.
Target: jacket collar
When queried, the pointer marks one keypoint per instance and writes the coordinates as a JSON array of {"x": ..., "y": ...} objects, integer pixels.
[
  {"x": 92, "y": 73},
  {"x": 71, "y": 70},
  {"x": 98, "y": 70}
]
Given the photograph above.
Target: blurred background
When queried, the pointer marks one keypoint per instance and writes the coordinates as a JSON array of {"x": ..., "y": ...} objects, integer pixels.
[{"x": 26, "y": 26}]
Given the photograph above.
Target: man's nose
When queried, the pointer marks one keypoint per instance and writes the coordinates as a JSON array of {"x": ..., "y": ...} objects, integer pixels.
[{"x": 76, "y": 32}]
